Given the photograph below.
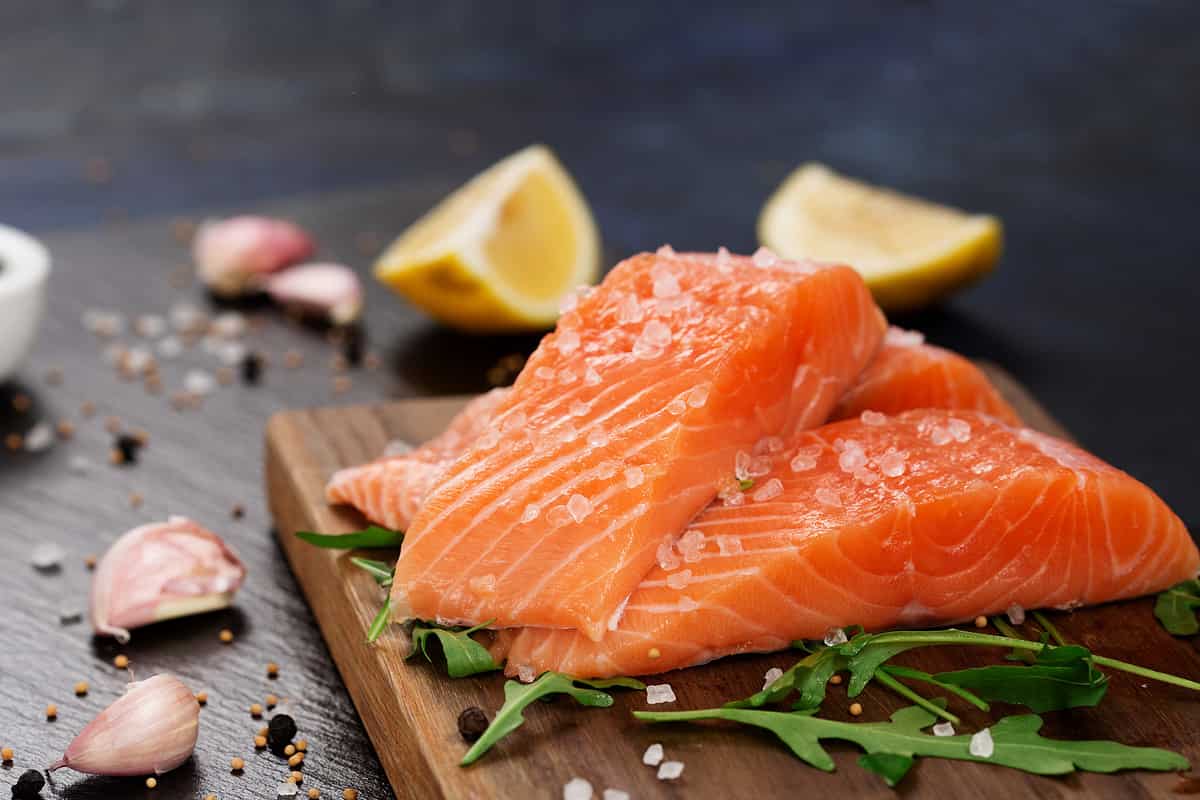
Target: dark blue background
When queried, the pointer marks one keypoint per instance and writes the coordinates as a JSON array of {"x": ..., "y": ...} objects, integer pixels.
[{"x": 1076, "y": 122}]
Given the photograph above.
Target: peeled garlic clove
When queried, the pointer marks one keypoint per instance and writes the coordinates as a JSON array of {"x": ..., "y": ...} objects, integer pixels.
[
  {"x": 160, "y": 571},
  {"x": 151, "y": 729},
  {"x": 233, "y": 256},
  {"x": 332, "y": 290}
]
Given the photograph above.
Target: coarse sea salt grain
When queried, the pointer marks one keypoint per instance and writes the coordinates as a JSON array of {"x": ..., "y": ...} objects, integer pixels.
[
  {"x": 852, "y": 457},
  {"x": 697, "y": 396},
  {"x": 597, "y": 438},
  {"x": 579, "y": 507},
  {"x": 525, "y": 673},
  {"x": 653, "y": 755},
  {"x": 982, "y": 745},
  {"x": 666, "y": 286},
  {"x": 150, "y": 326},
  {"x": 229, "y": 325},
  {"x": 566, "y": 376},
  {"x": 741, "y": 465},
  {"x": 644, "y": 350},
  {"x": 891, "y": 464},
  {"x": 872, "y": 418},
  {"x": 676, "y": 407},
  {"x": 39, "y": 437},
  {"x": 634, "y": 477},
  {"x": 232, "y": 353},
  {"x": 577, "y": 789},
  {"x": 629, "y": 310},
  {"x": 69, "y": 614},
  {"x": 768, "y": 445},
  {"x": 397, "y": 447},
  {"x": 835, "y": 636},
  {"x": 902, "y": 338},
  {"x": 772, "y": 675},
  {"x": 286, "y": 790},
  {"x": 802, "y": 462},
  {"x": 591, "y": 377},
  {"x": 580, "y": 408},
  {"x": 659, "y": 693},
  {"x": 670, "y": 770},
  {"x": 763, "y": 257},
  {"x": 678, "y": 580},
  {"x": 940, "y": 435},
  {"x": 544, "y": 373},
  {"x": 169, "y": 347},
  {"x": 47, "y": 556},
  {"x": 79, "y": 464},
  {"x": 768, "y": 491},
  {"x": 1015, "y": 614},
  {"x": 691, "y": 545},
  {"x": 960, "y": 429},
  {"x": 656, "y": 334},
  {"x": 729, "y": 545},
  {"x": 530, "y": 513},
  {"x": 943, "y": 729},
  {"x": 616, "y": 794},
  {"x": 567, "y": 341},
  {"x": 197, "y": 381},
  {"x": 666, "y": 557}
]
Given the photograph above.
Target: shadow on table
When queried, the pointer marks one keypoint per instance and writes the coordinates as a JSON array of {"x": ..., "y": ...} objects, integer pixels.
[{"x": 437, "y": 360}]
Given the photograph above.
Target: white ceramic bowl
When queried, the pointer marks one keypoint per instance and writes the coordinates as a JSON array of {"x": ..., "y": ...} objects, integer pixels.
[{"x": 24, "y": 268}]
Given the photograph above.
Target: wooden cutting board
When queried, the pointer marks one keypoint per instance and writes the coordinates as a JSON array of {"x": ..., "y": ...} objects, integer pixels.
[{"x": 410, "y": 708}]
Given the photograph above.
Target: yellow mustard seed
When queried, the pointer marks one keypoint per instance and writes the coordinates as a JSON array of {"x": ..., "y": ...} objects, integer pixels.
[
  {"x": 289, "y": 750},
  {"x": 302, "y": 745},
  {"x": 151, "y": 783},
  {"x": 263, "y": 730},
  {"x": 981, "y": 621},
  {"x": 256, "y": 709},
  {"x": 296, "y": 760},
  {"x": 313, "y": 794},
  {"x": 201, "y": 697},
  {"x": 836, "y": 680},
  {"x": 271, "y": 701},
  {"x": 236, "y": 764},
  {"x": 654, "y": 652},
  {"x": 51, "y": 711},
  {"x": 260, "y": 742},
  {"x": 81, "y": 688},
  {"x": 349, "y": 794},
  {"x": 855, "y": 709},
  {"x": 121, "y": 661},
  {"x": 272, "y": 669},
  {"x": 6, "y": 754},
  {"x": 226, "y": 635},
  {"x": 296, "y": 777}
]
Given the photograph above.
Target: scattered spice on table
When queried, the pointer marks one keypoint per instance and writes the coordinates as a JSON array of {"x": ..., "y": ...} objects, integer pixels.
[
  {"x": 280, "y": 731},
  {"x": 236, "y": 764},
  {"x": 51, "y": 712},
  {"x": 256, "y": 710},
  {"x": 6, "y": 755},
  {"x": 65, "y": 428},
  {"x": 260, "y": 742},
  {"x": 81, "y": 688},
  {"x": 856, "y": 709},
  {"x": 272, "y": 669},
  {"x": 225, "y": 635},
  {"x": 28, "y": 785},
  {"x": 472, "y": 722},
  {"x": 202, "y": 698},
  {"x": 271, "y": 701},
  {"x": 121, "y": 661},
  {"x": 151, "y": 783}
]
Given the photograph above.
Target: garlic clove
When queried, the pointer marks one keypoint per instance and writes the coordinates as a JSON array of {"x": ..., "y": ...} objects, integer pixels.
[
  {"x": 151, "y": 729},
  {"x": 161, "y": 571},
  {"x": 332, "y": 290},
  {"x": 233, "y": 256}
]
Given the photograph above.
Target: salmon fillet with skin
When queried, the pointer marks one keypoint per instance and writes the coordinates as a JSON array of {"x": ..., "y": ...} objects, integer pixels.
[
  {"x": 625, "y": 423},
  {"x": 907, "y": 374},
  {"x": 390, "y": 489},
  {"x": 927, "y": 518}
]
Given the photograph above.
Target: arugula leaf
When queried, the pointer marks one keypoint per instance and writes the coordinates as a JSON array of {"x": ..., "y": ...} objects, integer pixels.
[
  {"x": 1060, "y": 677},
  {"x": 1016, "y": 741},
  {"x": 897, "y": 671},
  {"x": 517, "y": 696},
  {"x": 889, "y": 766},
  {"x": 1176, "y": 608},
  {"x": 381, "y": 571},
  {"x": 372, "y": 536},
  {"x": 380, "y": 622},
  {"x": 808, "y": 677},
  {"x": 464, "y": 656}
]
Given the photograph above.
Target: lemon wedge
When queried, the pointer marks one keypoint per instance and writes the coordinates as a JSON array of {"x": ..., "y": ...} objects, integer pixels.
[
  {"x": 501, "y": 252},
  {"x": 910, "y": 252}
]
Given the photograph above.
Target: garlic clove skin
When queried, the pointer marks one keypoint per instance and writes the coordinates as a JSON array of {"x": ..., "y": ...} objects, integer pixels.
[
  {"x": 332, "y": 290},
  {"x": 233, "y": 256},
  {"x": 151, "y": 729},
  {"x": 161, "y": 571}
]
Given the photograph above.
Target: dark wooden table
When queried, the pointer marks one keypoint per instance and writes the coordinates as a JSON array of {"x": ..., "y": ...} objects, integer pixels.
[{"x": 1077, "y": 123}]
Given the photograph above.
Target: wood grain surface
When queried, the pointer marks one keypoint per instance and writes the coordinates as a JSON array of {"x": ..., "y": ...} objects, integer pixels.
[{"x": 410, "y": 708}]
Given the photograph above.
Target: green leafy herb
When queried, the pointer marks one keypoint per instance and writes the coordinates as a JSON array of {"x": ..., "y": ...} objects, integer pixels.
[
  {"x": 517, "y": 696},
  {"x": 381, "y": 571},
  {"x": 745, "y": 484},
  {"x": 897, "y": 671},
  {"x": 380, "y": 622},
  {"x": 884, "y": 677},
  {"x": 1049, "y": 628},
  {"x": 889, "y": 766},
  {"x": 1016, "y": 742},
  {"x": 464, "y": 656},
  {"x": 373, "y": 536},
  {"x": 1176, "y": 608},
  {"x": 1060, "y": 677},
  {"x": 867, "y": 652}
]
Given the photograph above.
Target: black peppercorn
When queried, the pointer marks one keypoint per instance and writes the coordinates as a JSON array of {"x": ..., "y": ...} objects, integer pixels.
[
  {"x": 29, "y": 785},
  {"x": 280, "y": 731},
  {"x": 128, "y": 446},
  {"x": 252, "y": 365},
  {"x": 472, "y": 722},
  {"x": 352, "y": 345}
]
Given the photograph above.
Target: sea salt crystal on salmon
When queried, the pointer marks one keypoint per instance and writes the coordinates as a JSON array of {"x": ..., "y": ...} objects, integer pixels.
[
  {"x": 926, "y": 546},
  {"x": 774, "y": 362}
]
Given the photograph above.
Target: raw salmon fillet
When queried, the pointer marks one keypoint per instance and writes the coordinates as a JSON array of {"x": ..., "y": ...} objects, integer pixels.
[
  {"x": 907, "y": 374},
  {"x": 390, "y": 489},
  {"x": 625, "y": 423},
  {"x": 926, "y": 518}
]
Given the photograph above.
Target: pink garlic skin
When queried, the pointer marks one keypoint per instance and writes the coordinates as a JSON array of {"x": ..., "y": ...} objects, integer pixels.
[
  {"x": 233, "y": 256},
  {"x": 332, "y": 290},
  {"x": 159, "y": 571},
  {"x": 151, "y": 729}
]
